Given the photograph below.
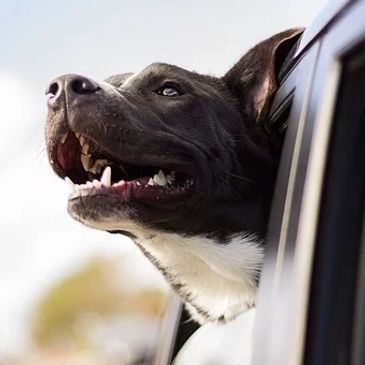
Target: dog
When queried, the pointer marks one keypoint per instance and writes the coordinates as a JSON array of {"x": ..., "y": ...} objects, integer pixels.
[{"x": 181, "y": 163}]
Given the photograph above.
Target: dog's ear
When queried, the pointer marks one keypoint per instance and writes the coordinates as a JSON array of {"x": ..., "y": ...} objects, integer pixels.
[{"x": 253, "y": 79}]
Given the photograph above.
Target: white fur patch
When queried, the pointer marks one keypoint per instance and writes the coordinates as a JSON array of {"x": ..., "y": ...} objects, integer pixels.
[{"x": 218, "y": 280}]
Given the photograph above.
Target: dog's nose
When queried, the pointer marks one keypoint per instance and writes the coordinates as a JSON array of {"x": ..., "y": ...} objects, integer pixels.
[{"x": 71, "y": 86}]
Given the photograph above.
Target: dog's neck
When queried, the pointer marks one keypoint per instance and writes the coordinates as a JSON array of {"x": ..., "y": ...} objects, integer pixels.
[{"x": 217, "y": 280}]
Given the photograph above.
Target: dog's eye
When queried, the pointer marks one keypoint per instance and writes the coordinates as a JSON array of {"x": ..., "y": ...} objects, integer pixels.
[{"x": 168, "y": 91}]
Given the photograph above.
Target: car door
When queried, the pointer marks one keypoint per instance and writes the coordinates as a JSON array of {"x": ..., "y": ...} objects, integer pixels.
[{"x": 310, "y": 306}]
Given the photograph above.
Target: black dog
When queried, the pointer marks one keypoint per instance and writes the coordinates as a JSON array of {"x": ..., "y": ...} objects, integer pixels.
[{"x": 181, "y": 163}]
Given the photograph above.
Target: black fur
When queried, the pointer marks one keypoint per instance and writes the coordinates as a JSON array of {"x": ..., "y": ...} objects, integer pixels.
[{"x": 212, "y": 130}]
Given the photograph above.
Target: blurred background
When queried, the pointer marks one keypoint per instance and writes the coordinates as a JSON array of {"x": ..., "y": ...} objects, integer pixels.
[{"x": 68, "y": 294}]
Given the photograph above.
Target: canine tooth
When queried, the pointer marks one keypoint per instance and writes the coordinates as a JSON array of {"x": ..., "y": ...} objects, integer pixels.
[
  {"x": 151, "y": 182},
  {"x": 86, "y": 161},
  {"x": 160, "y": 178},
  {"x": 82, "y": 140},
  {"x": 106, "y": 176},
  {"x": 70, "y": 183},
  {"x": 77, "y": 135}
]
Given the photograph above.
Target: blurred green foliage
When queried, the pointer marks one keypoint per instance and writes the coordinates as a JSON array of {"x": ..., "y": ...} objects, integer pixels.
[{"x": 94, "y": 291}]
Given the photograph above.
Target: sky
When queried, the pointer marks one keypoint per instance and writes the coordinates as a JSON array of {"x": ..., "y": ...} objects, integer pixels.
[{"x": 41, "y": 40}]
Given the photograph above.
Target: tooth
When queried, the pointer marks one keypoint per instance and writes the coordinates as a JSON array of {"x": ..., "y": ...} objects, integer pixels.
[
  {"x": 102, "y": 163},
  {"x": 98, "y": 165},
  {"x": 85, "y": 148},
  {"x": 106, "y": 176},
  {"x": 77, "y": 135},
  {"x": 82, "y": 140},
  {"x": 151, "y": 182},
  {"x": 160, "y": 178},
  {"x": 94, "y": 169},
  {"x": 120, "y": 183},
  {"x": 161, "y": 174},
  {"x": 89, "y": 184},
  {"x": 97, "y": 183},
  {"x": 70, "y": 183},
  {"x": 171, "y": 177},
  {"x": 63, "y": 139},
  {"x": 156, "y": 179},
  {"x": 86, "y": 161}
]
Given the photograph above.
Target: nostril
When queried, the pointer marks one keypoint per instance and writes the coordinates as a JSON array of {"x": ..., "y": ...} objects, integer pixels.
[
  {"x": 83, "y": 86},
  {"x": 52, "y": 89}
]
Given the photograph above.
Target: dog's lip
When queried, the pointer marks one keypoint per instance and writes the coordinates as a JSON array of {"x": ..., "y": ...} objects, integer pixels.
[
  {"x": 61, "y": 164},
  {"x": 132, "y": 190},
  {"x": 137, "y": 192}
]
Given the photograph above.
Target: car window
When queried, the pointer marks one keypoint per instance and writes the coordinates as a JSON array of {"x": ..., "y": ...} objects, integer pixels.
[{"x": 316, "y": 238}]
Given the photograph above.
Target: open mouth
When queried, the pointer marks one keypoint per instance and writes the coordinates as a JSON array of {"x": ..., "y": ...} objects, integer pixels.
[{"x": 91, "y": 170}]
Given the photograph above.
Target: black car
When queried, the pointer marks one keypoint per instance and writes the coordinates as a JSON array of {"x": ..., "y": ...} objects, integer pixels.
[{"x": 311, "y": 301}]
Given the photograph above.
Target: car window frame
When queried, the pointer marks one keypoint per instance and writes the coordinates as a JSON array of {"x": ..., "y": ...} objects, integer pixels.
[
  {"x": 309, "y": 90},
  {"x": 282, "y": 310}
]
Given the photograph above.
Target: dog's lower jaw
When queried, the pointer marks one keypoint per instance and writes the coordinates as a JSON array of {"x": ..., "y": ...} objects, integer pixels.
[{"x": 218, "y": 281}]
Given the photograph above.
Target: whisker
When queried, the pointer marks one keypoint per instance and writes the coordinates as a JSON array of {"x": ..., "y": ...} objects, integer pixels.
[
  {"x": 41, "y": 154},
  {"x": 243, "y": 178},
  {"x": 229, "y": 186}
]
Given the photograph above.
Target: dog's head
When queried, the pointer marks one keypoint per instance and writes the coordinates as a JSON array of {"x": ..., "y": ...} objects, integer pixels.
[{"x": 174, "y": 150}]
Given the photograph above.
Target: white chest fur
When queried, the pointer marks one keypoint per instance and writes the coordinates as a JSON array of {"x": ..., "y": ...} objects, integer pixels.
[{"x": 217, "y": 280}]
